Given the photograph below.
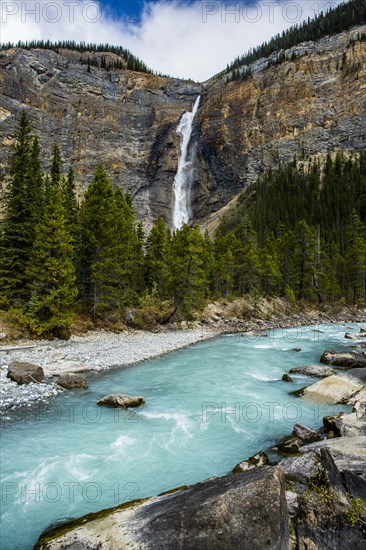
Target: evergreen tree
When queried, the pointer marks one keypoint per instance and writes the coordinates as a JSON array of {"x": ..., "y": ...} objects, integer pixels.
[
  {"x": 156, "y": 258},
  {"x": 70, "y": 203},
  {"x": 53, "y": 290},
  {"x": 99, "y": 267},
  {"x": 56, "y": 166},
  {"x": 187, "y": 284},
  {"x": 21, "y": 212},
  {"x": 127, "y": 247}
]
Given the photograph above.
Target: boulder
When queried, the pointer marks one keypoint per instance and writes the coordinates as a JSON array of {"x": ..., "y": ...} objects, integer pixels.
[
  {"x": 305, "y": 433},
  {"x": 359, "y": 404},
  {"x": 121, "y": 400},
  {"x": 296, "y": 349},
  {"x": 351, "y": 336},
  {"x": 246, "y": 510},
  {"x": 351, "y": 359},
  {"x": 322, "y": 519},
  {"x": 25, "y": 373},
  {"x": 255, "y": 461},
  {"x": 2, "y": 335},
  {"x": 349, "y": 453},
  {"x": 338, "y": 388},
  {"x": 302, "y": 468},
  {"x": 289, "y": 445},
  {"x": 316, "y": 371},
  {"x": 345, "y": 425},
  {"x": 286, "y": 377},
  {"x": 71, "y": 381}
]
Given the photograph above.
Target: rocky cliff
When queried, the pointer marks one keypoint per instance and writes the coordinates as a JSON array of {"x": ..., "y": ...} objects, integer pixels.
[
  {"x": 314, "y": 101},
  {"x": 125, "y": 119}
]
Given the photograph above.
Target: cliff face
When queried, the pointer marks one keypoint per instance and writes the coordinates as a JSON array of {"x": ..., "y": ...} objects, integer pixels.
[
  {"x": 125, "y": 119},
  {"x": 313, "y": 103}
]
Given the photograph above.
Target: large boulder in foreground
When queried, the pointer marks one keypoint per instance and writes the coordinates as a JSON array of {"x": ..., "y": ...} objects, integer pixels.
[
  {"x": 338, "y": 388},
  {"x": 121, "y": 400},
  {"x": 246, "y": 510},
  {"x": 70, "y": 381},
  {"x": 350, "y": 359},
  {"x": 316, "y": 371},
  {"x": 25, "y": 373}
]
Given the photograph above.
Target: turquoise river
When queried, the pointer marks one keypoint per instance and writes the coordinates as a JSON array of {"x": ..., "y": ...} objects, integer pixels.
[{"x": 207, "y": 408}]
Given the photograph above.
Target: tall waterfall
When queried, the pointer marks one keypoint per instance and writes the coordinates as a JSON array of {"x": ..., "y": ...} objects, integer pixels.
[{"x": 184, "y": 176}]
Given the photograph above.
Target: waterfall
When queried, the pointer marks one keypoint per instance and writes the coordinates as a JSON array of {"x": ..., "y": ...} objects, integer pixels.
[{"x": 184, "y": 176}]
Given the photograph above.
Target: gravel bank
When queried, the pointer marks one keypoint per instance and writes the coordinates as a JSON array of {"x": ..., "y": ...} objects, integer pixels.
[{"x": 95, "y": 351}]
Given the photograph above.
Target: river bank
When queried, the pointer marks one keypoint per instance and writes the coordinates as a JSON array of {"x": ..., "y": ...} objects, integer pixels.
[{"x": 100, "y": 350}]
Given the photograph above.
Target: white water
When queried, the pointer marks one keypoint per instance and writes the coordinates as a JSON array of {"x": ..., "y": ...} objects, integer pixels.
[
  {"x": 184, "y": 176},
  {"x": 207, "y": 408}
]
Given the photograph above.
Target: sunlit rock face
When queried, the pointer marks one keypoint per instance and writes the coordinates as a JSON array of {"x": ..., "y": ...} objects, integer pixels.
[{"x": 314, "y": 103}]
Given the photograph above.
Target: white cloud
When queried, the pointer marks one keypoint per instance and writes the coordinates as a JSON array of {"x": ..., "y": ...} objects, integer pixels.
[{"x": 193, "y": 41}]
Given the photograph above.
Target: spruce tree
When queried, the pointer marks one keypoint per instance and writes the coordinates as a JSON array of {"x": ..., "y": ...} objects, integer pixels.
[
  {"x": 156, "y": 258},
  {"x": 56, "y": 166},
  {"x": 99, "y": 265},
  {"x": 22, "y": 211},
  {"x": 70, "y": 203},
  {"x": 53, "y": 291},
  {"x": 187, "y": 283}
]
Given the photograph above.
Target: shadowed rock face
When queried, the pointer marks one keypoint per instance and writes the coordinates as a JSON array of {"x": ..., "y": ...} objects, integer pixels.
[
  {"x": 246, "y": 511},
  {"x": 127, "y": 120}
]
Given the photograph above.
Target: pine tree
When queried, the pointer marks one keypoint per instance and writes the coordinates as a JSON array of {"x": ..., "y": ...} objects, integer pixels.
[
  {"x": 99, "y": 266},
  {"x": 156, "y": 258},
  {"x": 22, "y": 211},
  {"x": 56, "y": 166},
  {"x": 187, "y": 284},
  {"x": 127, "y": 247},
  {"x": 53, "y": 291},
  {"x": 70, "y": 202}
]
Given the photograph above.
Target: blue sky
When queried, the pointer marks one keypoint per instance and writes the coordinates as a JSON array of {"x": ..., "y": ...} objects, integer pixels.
[{"x": 194, "y": 39}]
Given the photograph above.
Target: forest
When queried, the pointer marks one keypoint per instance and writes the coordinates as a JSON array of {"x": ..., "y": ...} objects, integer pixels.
[
  {"x": 335, "y": 20},
  {"x": 126, "y": 59},
  {"x": 298, "y": 233}
]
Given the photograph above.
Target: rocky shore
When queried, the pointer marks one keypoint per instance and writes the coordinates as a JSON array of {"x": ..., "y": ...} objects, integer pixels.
[
  {"x": 96, "y": 351},
  {"x": 101, "y": 350},
  {"x": 312, "y": 499}
]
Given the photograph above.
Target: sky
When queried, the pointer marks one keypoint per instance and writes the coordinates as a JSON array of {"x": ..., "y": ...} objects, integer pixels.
[{"x": 190, "y": 39}]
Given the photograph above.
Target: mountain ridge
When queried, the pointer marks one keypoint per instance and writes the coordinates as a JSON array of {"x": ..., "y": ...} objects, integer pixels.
[{"x": 310, "y": 100}]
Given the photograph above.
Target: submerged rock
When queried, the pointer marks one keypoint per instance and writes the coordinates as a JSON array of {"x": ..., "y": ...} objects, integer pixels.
[
  {"x": 121, "y": 400},
  {"x": 316, "y": 371},
  {"x": 351, "y": 359},
  {"x": 25, "y": 373},
  {"x": 255, "y": 461},
  {"x": 71, "y": 380},
  {"x": 246, "y": 510}
]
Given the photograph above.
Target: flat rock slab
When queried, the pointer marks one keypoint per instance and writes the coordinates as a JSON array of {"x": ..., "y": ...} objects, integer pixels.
[
  {"x": 247, "y": 511},
  {"x": 338, "y": 388},
  {"x": 25, "y": 373},
  {"x": 121, "y": 400},
  {"x": 316, "y": 371},
  {"x": 71, "y": 381}
]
